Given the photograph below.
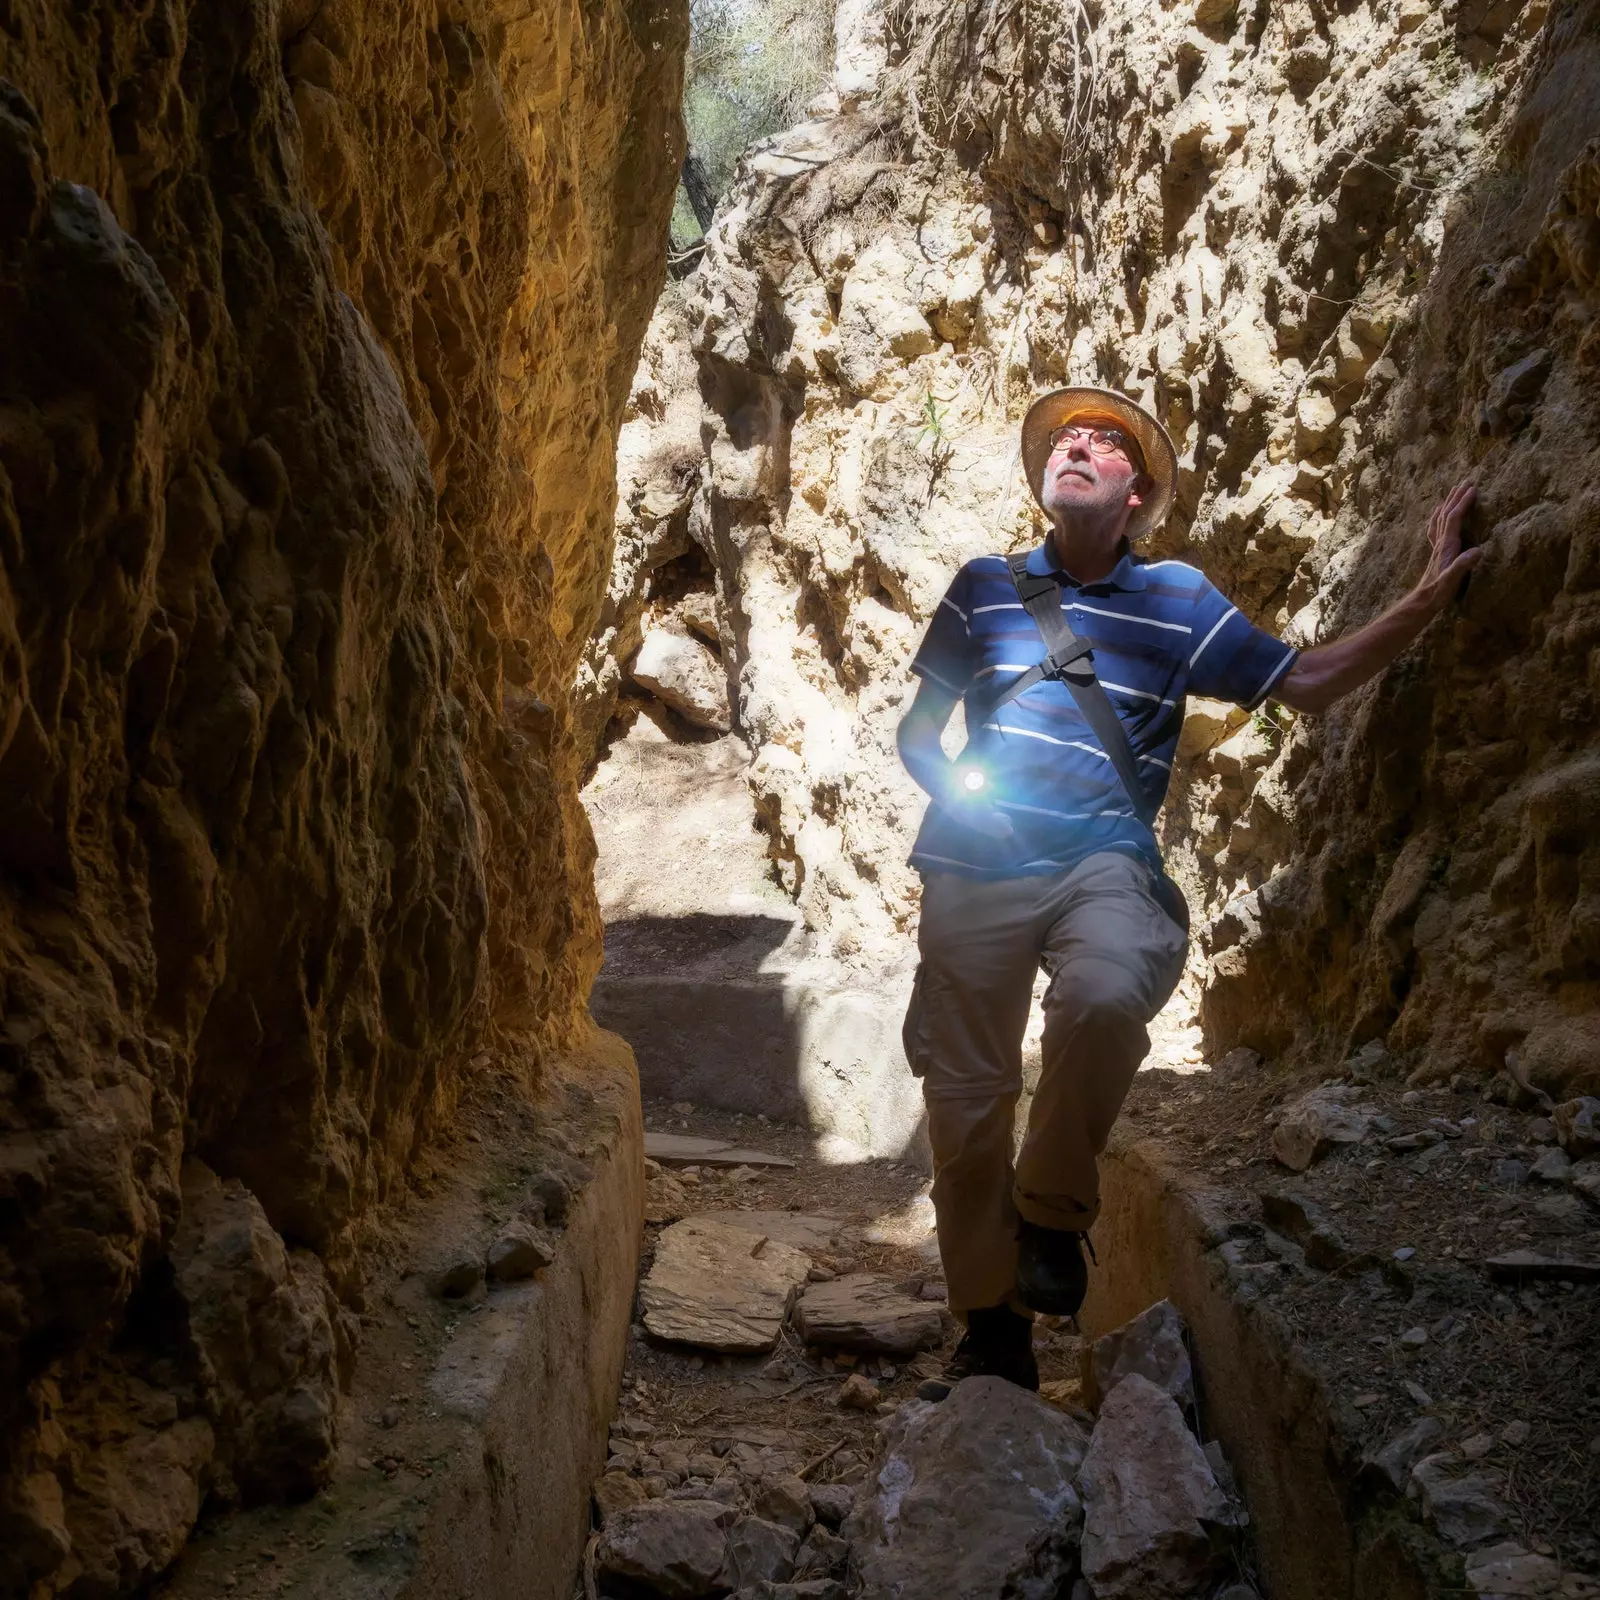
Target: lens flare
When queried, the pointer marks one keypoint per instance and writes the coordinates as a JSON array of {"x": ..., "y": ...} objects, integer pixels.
[{"x": 973, "y": 781}]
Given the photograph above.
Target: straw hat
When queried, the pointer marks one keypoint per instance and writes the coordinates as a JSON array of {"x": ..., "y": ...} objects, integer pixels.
[{"x": 1108, "y": 408}]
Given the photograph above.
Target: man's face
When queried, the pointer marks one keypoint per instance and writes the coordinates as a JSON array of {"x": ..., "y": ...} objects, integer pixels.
[{"x": 1089, "y": 471}]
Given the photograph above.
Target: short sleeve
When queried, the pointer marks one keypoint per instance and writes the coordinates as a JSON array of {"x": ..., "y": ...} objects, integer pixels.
[
  {"x": 946, "y": 656},
  {"x": 1233, "y": 659}
]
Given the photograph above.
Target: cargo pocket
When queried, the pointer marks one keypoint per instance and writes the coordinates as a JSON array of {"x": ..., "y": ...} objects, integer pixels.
[{"x": 913, "y": 1032}]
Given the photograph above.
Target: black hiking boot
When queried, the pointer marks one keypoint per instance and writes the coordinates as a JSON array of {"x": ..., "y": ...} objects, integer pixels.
[
  {"x": 998, "y": 1343},
  {"x": 1051, "y": 1275}
]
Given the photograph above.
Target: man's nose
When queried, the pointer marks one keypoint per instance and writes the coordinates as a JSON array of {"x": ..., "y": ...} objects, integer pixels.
[{"x": 1078, "y": 447}]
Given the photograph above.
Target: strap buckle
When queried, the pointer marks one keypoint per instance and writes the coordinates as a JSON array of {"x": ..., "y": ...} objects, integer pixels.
[{"x": 1062, "y": 657}]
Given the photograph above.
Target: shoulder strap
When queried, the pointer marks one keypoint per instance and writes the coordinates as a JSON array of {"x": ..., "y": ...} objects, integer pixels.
[{"x": 1068, "y": 658}]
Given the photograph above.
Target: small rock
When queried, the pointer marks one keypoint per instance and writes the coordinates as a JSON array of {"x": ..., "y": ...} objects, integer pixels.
[
  {"x": 1414, "y": 1338},
  {"x": 1463, "y": 1510},
  {"x": 1477, "y": 1447},
  {"x": 857, "y": 1393},
  {"x": 1510, "y": 1174},
  {"x": 1362, "y": 1401},
  {"x": 704, "y": 1466},
  {"x": 615, "y": 1492},
  {"x": 1152, "y": 1345},
  {"x": 1541, "y": 1130},
  {"x": 389, "y": 1417},
  {"x": 1516, "y": 1434},
  {"x": 1577, "y": 1125},
  {"x": 670, "y": 1548},
  {"x": 665, "y": 1198},
  {"x": 1418, "y": 1394},
  {"x": 1312, "y": 1125},
  {"x": 519, "y": 1252},
  {"x": 830, "y": 1502},
  {"x": 1405, "y": 1252},
  {"x": 1394, "y": 1461},
  {"x": 938, "y": 1294},
  {"x": 1149, "y": 1497},
  {"x": 760, "y": 1551},
  {"x": 1553, "y": 1166},
  {"x": 456, "y": 1278},
  {"x": 784, "y": 1499},
  {"x": 821, "y": 1275}
]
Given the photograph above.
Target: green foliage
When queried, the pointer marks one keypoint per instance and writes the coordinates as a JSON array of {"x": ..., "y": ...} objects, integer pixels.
[{"x": 752, "y": 66}]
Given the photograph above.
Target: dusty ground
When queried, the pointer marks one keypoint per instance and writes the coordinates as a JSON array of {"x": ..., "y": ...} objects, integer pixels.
[{"x": 1509, "y": 1369}]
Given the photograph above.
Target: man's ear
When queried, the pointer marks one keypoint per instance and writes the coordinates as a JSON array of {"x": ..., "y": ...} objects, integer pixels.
[{"x": 1139, "y": 488}]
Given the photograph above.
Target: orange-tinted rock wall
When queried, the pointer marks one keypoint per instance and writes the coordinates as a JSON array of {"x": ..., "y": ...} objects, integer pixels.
[{"x": 316, "y": 324}]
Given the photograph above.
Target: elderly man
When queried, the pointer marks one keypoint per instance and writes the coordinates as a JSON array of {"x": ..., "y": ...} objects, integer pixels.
[{"x": 1036, "y": 851}]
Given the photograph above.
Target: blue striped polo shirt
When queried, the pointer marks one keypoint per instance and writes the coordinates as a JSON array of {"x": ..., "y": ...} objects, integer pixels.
[{"x": 1159, "y": 631}]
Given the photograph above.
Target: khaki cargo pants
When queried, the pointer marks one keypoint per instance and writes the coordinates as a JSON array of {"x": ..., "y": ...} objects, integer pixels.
[{"x": 1113, "y": 956}]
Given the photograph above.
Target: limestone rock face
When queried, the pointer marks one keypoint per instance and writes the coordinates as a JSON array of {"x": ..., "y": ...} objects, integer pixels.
[
  {"x": 319, "y": 326},
  {"x": 942, "y": 1513},
  {"x": 1230, "y": 220}
]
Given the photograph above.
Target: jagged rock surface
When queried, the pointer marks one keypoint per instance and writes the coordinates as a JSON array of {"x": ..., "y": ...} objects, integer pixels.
[
  {"x": 1347, "y": 253},
  {"x": 319, "y": 323}
]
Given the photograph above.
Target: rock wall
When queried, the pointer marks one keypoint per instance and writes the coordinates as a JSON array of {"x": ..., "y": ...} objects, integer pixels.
[
  {"x": 1346, "y": 252},
  {"x": 318, "y": 323}
]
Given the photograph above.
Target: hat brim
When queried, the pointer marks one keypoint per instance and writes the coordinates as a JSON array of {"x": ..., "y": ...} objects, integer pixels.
[{"x": 1060, "y": 406}]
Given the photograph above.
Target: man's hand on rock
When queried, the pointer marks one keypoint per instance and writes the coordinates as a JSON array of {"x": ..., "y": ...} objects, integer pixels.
[{"x": 1448, "y": 564}]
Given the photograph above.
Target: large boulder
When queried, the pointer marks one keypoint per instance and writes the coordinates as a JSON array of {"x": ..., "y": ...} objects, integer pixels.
[
  {"x": 1151, "y": 1502},
  {"x": 678, "y": 670},
  {"x": 946, "y": 1512}
]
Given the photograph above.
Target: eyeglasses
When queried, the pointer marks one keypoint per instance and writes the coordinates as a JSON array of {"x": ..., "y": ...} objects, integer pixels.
[{"x": 1101, "y": 441}]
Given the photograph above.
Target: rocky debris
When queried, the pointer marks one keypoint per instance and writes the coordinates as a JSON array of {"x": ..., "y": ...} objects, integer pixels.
[
  {"x": 520, "y": 1251},
  {"x": 857, "y": 1393},
  {"x": 1151, "y": 1503},
  {"x": 665, "y": 1199},
  {"x": 941, "y": 1513},
  {"x": 681, "y": 672},
  {"x": 824, "y": 1554},
  {"x": 683, "y": 1150},
  {"x": 1586, "y": 1179},
  {"x": 1578, "y": 1126},
  {"x": 674, "y": 1549},
  {"x": 719, "y": 1286},
  {"x": 760, "y": 1551},
  {"x": 1298, "y": 1219},
  {"x": 1312, "y": 1125},
  {"x": 1153, "y": 1345},
  {"x": 1464, "y": 1508},
  {"x": 806, "y": 1589},
  {"x": 863, "y": 1313},
  {"x": 1553, "y": 1166}
]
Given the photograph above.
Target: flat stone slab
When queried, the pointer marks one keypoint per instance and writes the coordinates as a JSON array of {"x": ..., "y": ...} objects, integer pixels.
[
  {"x": 860, "y": 1312},
  {"x": 720, "y": 1287},
  {"x": 689, "y": 1150},
  {"x": 787, "y": 1227},
  {"x": 1515, "y": 1265}
]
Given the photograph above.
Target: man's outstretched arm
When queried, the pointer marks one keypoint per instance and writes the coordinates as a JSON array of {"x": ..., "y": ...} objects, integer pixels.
[{"x": 1327, "y": 672}]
